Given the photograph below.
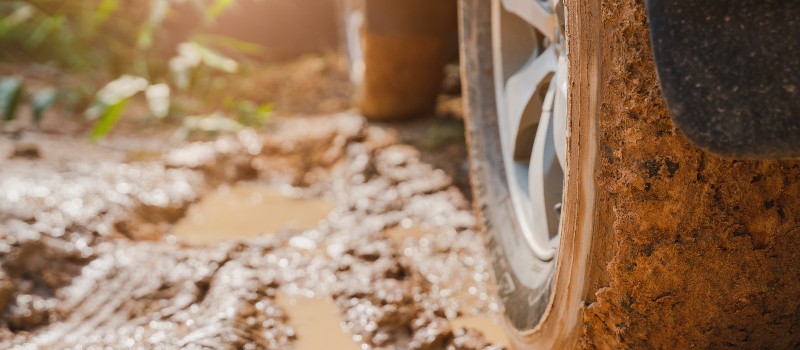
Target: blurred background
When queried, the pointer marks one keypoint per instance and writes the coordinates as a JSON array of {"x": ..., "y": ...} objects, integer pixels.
[
  {"x": 100, "y": 102},
  {"x": 71, "y": 64},
  {"x": 188, "y": 70}
]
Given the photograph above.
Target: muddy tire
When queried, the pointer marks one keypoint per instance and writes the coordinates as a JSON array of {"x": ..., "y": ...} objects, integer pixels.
[
  {"x": 659, "y": 245},
  {"x": 398, "y": 50}
]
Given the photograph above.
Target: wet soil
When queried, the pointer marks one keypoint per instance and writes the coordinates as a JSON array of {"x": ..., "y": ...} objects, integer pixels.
[
  {"x": 384, "y": 248},
  {"x": 317, "y": 323},
  {"x": 247, "y": 210}
]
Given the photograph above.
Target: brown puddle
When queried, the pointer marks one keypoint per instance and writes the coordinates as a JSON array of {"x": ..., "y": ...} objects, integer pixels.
[
  {"x": 248, "y": 210},
  {"x": 317, "y": 324},
  {"x": 492, "y": 331}
]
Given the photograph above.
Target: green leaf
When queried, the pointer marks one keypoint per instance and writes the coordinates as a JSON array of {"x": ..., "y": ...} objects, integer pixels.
[
  {"x": 264, "y": 112},
  {"x": 249, "y": 113},
  {"x": 104, "y": 10},
  {"x": 108, "y": 118},
  {"x": 46, "y": 27},
  {"x": 217, "y": 8},
  {"x": 229, "y": 43},
  {"x": 122, "y": 88},
  {"x": 145, "y": 38},
  {"x": 41, "y": 101},
  {"x": 20, "y": 15},
  {"x": 10, "y": 94},
  {"x": 192, "y": 51}
]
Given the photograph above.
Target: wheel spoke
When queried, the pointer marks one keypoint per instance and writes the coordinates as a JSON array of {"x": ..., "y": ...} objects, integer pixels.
[
  {"x": 522, "y": 87},
  {"x": 533, "y": 13},
  {"x": 560, "y": 112},
  {"x": 529, "y": 75},
  {"x": 545, "y": 181}
]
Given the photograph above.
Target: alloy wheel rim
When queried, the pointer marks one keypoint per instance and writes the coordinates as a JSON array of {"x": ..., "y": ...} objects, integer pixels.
[{"x": 530, "y": 88}]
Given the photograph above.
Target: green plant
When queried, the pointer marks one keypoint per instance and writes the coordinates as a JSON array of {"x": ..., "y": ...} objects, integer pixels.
[
  {"x": 249, "y": 113},
  {"x": 116, "y": 35},
  {"x": 125, "y": 39},
  {"x": 111, "y": 100},
  {"x": 12, "y": 94}
]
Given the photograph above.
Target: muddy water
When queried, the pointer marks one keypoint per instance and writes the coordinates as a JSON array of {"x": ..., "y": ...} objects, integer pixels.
[
  {"x": 487, "y": 325},
  {"x": 247, "y": 210},
  {"x": 316, "y": 323}
]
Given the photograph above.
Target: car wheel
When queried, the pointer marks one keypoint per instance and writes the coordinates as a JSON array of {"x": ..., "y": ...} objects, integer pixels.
[
  {"x": 606, "y": 227},
  {"x": 397, "y": 52},
  {"x": 515, "y": 58}
]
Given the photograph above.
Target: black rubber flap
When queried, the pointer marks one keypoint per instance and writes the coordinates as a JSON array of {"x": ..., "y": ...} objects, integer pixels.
[{"x": 730, "y": 72}]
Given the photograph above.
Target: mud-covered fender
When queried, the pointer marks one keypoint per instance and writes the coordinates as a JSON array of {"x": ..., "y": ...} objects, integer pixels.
[{"x": 730, "y": 73}]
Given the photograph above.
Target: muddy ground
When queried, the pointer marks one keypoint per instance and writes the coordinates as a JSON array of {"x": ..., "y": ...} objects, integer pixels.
[{"x": 98, "y": 250}]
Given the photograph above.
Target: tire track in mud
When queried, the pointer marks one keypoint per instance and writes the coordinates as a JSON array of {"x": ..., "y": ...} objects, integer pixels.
[{"x": 165, "y": 294}]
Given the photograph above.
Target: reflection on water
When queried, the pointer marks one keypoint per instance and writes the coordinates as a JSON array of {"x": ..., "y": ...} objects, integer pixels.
[
  {"x": 247, "y": 210},
  {"x": 399, "y": 234},
  {"x": 317, "y": 324}
]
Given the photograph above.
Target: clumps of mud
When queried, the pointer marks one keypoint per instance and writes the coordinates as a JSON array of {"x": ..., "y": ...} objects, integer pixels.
[
  {"x": 92, "y": 199},
  {"x": 87, "y": 261},
  {"x": 28, "y": 282},
  {"x": 57, "y": 219},
  {"x": 705, "y": 248}
]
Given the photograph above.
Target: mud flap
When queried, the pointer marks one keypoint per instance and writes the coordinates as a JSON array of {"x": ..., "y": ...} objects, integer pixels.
[{"x": 730, "y": 73}]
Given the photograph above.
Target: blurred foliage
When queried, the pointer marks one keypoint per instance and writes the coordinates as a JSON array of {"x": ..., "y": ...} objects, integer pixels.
[
  {"x": 10, "y": 91},
  {"x": 13, "y": 93},
  {"x": 41, "y": 101},
  {"x": 111, "y": 101},
  {"x": 443, "y": 133},
  {"x": 155, "y": 47},
  {"x": 121, "y": 36}
]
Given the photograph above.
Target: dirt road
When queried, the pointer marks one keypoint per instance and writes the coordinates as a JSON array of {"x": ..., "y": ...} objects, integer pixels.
[{"x": 317, "y": 232}]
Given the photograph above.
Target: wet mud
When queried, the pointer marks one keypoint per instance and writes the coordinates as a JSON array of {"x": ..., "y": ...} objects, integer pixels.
[
  {"x": 317, "y": 323},
  {"x": 91, "y": 256},
  {"x": 247, "y": 210},
  {"x": 703, "y": 250}
]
